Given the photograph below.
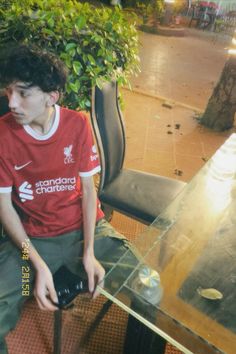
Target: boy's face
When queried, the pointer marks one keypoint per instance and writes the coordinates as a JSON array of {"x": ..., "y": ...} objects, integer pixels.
[{"x": 28, "y": 104}]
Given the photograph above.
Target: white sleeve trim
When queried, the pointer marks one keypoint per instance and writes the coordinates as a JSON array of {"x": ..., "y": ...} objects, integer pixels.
[
  {"x": 5, "y": 189},
  {"x": 90, "y": 173}
]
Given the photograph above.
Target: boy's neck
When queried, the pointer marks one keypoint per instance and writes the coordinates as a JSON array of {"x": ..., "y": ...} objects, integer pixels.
[{"x": 43, "y": 124}]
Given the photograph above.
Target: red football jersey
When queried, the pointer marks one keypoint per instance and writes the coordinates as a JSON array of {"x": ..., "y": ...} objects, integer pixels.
[{"x": 43, "y": 171}]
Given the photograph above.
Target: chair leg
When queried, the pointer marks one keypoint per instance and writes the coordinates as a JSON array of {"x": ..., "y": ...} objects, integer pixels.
[
  {"x": 57, "y": 332},
  {"x": 108, "y": 211},
  {"x": 93, "y": 326}
]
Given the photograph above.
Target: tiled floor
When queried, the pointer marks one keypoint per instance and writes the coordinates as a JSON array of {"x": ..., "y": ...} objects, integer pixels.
[
  {"x": 184, "y": 69},
  {"x": 166, "y": 141}
]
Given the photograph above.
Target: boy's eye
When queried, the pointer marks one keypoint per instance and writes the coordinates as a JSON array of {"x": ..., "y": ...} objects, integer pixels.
[
  {"x": 7, "y": 91},
  {"x": 24, "y": 93}
]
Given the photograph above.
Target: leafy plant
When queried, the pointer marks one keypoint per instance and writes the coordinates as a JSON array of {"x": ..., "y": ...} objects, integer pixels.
[
  {"x": 151, "y": 9},
  {"x": 93, "y": 42}
]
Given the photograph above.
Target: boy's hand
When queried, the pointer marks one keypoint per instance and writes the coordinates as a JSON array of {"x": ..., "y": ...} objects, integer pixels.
[
  {"x": 95, "y": 272},
  {"x": 44, "y": 290}
]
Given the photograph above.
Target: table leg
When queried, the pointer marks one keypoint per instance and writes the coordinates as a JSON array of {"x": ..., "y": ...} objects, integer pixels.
[{"x": 139, "y": 338}]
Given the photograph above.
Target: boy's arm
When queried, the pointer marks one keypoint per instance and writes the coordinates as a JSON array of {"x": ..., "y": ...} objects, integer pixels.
[
  {"x": 93, "y": 268},
  {"x": 11, "y": 222}
]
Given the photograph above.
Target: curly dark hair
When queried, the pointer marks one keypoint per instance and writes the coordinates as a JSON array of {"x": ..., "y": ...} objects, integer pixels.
[{"x": 33, "y": 66}]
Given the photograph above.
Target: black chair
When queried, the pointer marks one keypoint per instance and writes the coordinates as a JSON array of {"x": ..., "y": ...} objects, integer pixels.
[
  {"x": 139, "y": 195},
  {"x": 3, "y": 104}
]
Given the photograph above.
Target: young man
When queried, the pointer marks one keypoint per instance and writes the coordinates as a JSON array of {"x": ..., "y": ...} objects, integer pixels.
[{"x": 48, "y": 204}]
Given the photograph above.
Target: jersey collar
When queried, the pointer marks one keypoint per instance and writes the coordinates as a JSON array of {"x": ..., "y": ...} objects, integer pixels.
[{"x": 52, "y": 130}]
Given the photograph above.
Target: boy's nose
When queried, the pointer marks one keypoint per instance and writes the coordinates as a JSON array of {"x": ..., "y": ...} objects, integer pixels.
[{"x": 13, "y": 101}]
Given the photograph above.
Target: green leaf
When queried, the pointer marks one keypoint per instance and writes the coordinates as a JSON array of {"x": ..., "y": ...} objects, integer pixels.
[
  {"x": 48, "y": 31},
  {"x": 78, "y": 50},
  {"x": 88, "y": 103},
  {"x": 81, "y": 21},
  {"x": 70, "y": 46},
  {"x": 77, "y": 67},
  {"x": 91, "y": 59},
  {"x": 75, "y": 86},
  {"x": 51, "y": 22},
  {"x": 109, "y": 26}
]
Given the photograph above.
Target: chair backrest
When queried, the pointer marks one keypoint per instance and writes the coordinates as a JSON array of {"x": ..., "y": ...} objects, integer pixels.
[
  {"x": 3, "y": 109},
  {"x": 2, "y": 234},
  {"x": 3, "y": 105},
  {"x": 109, "y": 130}
]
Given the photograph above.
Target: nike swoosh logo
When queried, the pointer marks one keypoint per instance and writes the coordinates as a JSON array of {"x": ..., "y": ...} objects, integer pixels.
[{"x": 22, "y": 166}]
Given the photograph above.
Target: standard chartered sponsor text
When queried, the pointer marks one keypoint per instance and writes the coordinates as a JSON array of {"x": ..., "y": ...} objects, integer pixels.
[{"x": 60, "y": 184}]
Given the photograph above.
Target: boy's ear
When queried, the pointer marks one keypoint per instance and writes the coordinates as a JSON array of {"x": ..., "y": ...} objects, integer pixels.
[{"x": 53, "y": 97}]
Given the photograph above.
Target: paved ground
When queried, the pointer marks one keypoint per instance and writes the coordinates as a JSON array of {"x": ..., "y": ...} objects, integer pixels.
[
  {"x": 169, "y": 141},
  {"x": 181, "y": 68}
]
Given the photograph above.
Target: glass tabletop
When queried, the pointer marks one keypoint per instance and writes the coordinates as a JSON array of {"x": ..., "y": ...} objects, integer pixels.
[{"x": 183, "y": 282}]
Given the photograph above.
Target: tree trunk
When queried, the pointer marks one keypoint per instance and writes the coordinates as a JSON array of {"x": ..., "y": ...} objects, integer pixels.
[{"x": 221, "y": 107}]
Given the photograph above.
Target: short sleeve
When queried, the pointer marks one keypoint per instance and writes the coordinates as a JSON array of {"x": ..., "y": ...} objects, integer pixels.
[
  {"x": 6, "y": 179},
  {"x": 89, "y": 159}
]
